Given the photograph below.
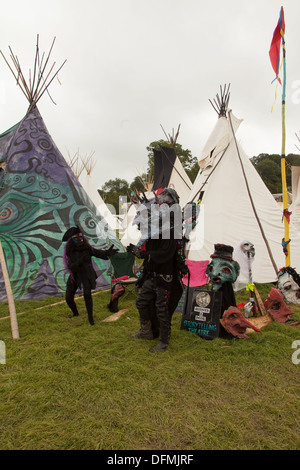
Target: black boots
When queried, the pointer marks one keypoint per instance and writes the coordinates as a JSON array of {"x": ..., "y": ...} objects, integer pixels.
[
  {"x": 91, "y": 319},
  {"x": 74, "y": 315},
  {"x": 89, "y": 306},
  {"x": 145, "y": 331},
  {"x": 160, "y": 347},
  {"x": 163, "y": 343}
]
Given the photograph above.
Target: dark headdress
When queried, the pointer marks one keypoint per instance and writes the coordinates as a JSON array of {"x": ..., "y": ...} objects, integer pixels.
[{"x": 70, "y": 232}]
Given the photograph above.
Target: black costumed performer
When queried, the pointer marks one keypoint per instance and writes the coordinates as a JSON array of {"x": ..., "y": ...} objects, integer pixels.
[
  {"x": 160, "y": 285},
  {"x": 78, "y": 262}
]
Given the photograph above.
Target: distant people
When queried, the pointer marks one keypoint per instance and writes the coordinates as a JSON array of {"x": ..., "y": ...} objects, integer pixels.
[{"x": 78, "y": 255}]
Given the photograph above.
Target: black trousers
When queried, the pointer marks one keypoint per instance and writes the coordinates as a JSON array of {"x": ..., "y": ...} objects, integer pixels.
[
  {"x": 153, "y": 294},
  {"x": 87, "y": 295}
]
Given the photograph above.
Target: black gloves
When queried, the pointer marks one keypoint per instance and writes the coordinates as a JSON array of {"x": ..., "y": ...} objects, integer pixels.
[
  {"x": 111, "y": 251},
  {"x": 133, "y": 249},
  {"x": 136, "y": 251}
]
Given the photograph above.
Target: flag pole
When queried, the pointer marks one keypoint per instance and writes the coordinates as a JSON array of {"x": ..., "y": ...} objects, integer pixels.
[{"x": 283, "y": 172}]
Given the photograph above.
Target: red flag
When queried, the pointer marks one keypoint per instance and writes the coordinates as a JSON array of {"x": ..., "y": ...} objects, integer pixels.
[{"x": 274, "y": 51}]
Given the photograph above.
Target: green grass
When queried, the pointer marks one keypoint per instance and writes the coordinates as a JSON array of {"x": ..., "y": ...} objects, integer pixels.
[{"x": 68, "y": 385}]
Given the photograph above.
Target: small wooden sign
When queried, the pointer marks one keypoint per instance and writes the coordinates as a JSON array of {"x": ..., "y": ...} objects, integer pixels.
[{"x": 202, "y": 312}]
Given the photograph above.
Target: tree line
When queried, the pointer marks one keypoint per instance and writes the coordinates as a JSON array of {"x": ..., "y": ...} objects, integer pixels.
[
  {"x": 268, "y": 167},
  {"x": 113, "y": 189}
]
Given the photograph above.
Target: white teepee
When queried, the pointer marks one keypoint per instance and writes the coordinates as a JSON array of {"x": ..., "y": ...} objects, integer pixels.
[
  {"x": 295, "y": 206},
  {"x": 131, "y": 233},
  {"x": 94, "y": 195},
  {"x": 236, "y": 205}
]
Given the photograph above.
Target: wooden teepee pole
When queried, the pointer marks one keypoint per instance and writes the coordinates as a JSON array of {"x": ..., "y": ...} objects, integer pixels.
[
  {"x": 40, "y": 81},
  {"x": 11, "y": 304}
]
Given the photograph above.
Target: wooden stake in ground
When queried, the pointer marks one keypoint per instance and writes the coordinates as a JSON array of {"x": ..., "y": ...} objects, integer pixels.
[{"x": 10, "y": 299}]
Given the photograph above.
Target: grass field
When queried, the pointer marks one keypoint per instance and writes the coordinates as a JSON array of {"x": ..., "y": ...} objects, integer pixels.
[{"x": 68, "y": 385}]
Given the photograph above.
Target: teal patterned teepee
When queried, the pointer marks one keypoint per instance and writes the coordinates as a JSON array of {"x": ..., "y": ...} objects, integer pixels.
[{"x": 40, "y": 198}]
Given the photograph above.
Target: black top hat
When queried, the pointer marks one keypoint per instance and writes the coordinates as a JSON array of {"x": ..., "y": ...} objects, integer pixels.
[
  {"x": 223, "y": 251},
  {"x": 70, "y": 232}
]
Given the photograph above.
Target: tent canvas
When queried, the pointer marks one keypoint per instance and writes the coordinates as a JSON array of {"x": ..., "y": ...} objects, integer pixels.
[
  {"x": 226, "y": 213},
  {"x": 131, "y": 233},
  {"x": 40, "y": 198},
  {"x": 93, "y": 193},
  {"x": 295, "y": 206},
  {"x": 102, "y": 208}
]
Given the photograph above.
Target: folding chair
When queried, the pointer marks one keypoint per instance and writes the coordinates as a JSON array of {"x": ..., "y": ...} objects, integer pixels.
[{"x": 125, "y": 271}]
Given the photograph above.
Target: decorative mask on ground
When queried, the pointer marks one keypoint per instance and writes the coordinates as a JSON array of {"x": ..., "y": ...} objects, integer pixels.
[
  {"x": 278, "y": 309},
  {"x": 235, "y": 323},
  {"x": 289, "y": 284},
  {"x": 222, "y": 267}
]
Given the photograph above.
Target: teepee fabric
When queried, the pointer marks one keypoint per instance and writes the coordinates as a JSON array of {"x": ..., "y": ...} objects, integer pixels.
[
  {"x": 130, "y": 231},
  {"x": 102, "y": 209},
  {"x": 40, "y": 198},
  {"x": 295, "y": 206},
  {"x": 226, "y": 213},
  {"x": 218, "y": 140}
]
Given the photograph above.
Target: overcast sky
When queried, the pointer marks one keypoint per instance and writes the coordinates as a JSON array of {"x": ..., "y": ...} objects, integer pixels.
[{"x": 133, "y": 65}]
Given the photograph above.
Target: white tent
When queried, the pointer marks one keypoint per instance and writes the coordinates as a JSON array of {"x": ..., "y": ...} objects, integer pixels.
[
  {"x": 90, "y": 188},
  {"x": 295, "y": 206},
  {"x": 236, "y": 205},
  {"x": 131, "y": 233}
]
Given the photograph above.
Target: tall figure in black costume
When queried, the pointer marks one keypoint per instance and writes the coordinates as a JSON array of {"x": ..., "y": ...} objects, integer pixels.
[
  {"x": 78, "y": 261},
  {"x": 159, "y": 282}
]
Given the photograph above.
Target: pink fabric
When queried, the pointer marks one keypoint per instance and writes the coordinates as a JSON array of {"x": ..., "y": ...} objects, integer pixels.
[
  {"x": 122, "y": 278},
  {"x": 197, "y": 273}
]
